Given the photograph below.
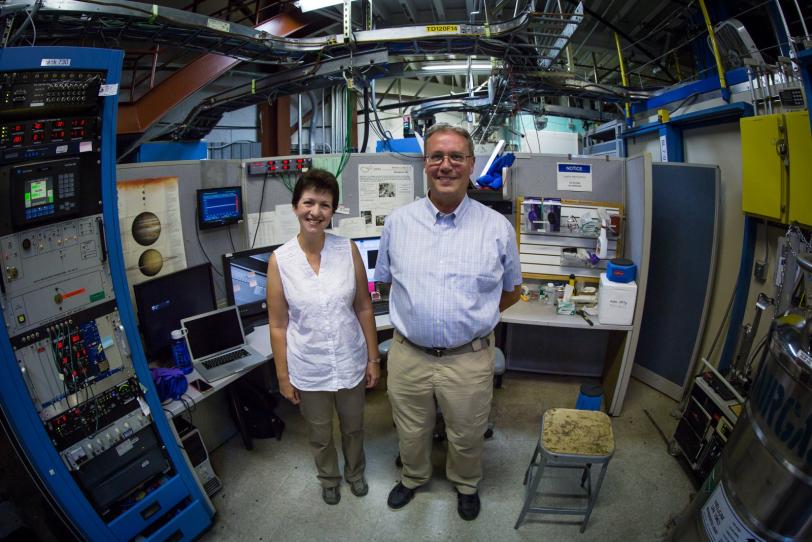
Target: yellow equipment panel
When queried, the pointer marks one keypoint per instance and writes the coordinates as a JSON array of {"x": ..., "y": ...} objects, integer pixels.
[
  {"x": 763, "y": 171},
  {"x": 799, "y": 140}
]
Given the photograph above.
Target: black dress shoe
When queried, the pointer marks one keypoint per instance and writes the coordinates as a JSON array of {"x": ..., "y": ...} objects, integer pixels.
[
  {"x": 468, "y": 506},
  {"x": 399, "y": 496}
]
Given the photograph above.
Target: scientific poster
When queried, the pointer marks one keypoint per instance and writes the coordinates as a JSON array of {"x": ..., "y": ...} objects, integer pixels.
[
  {"x": 151, "y": 232},
  {"x": 382, "y": 188}
]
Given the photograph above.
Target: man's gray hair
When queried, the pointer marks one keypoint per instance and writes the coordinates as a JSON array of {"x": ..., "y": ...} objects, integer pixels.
[{"x": 445, "y": 128}]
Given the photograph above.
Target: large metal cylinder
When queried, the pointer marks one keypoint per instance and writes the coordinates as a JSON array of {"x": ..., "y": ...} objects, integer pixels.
[{"x": 764, "y": 488}]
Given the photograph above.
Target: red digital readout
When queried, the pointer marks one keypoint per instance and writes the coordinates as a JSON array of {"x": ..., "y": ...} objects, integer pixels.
[
  {"x": 38, "y": 126},
  {"x": 79, "y": 132},
  {"x": 18, "y": 128},
  {"x": 58, "y": 124},
  {"x": 17, "y": 139},
  {"x": 58, "y": 134},
  {"x": 78, "y": 123},
  {"x": 37, "y": 137}
]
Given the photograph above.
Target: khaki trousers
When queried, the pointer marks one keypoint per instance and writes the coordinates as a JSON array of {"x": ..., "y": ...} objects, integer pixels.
[
  {"x": 463, "y": 387},
  {"x": 317, "y": 408}
]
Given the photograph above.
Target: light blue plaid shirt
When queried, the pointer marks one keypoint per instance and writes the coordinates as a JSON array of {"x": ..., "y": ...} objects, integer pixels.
[{"x": 447, "y": 271}]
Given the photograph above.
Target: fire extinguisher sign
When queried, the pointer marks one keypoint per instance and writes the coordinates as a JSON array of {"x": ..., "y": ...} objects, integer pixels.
[{"x": 721, "y": 522}]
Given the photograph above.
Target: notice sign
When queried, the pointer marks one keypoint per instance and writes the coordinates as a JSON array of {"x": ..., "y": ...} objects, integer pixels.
[
  {"x": 574, "y": 177},
  {"x": 721, "y": 522}
]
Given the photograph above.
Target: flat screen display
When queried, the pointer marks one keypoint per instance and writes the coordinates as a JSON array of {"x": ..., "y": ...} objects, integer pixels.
[
  {"x": 162, "y": 303},
  {"x": 368, "y": 247},
  {"x": 245, "y": 275},
  {"x": 218, "y": 207}
]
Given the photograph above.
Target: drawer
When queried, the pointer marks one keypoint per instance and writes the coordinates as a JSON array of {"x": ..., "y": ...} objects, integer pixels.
[{"x": 152, "y": 507}]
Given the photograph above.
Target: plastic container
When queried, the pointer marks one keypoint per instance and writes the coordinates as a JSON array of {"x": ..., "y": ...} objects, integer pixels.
[
  {"x": 616, "y": 302},
  {"x": 180, "y": 352},
  {"x": 621, "y": 270},
  {"x": 590, "y": 397},
  {"x": 549, "y": 294}
]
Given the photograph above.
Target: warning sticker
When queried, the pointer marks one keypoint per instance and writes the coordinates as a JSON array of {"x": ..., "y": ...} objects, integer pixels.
[{"x": 721, "y": 522}]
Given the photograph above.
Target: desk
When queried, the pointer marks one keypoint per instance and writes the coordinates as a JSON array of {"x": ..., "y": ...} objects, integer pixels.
[
  {"x": 572, "y": 349},
  {"x": 260, "y": 340}
]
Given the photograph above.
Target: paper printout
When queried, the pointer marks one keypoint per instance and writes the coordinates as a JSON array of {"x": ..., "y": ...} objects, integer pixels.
[
  {"x": 382, "y": 188},
  {"x": 264, "y": 235},
  {"x": 151, "y": 232}
]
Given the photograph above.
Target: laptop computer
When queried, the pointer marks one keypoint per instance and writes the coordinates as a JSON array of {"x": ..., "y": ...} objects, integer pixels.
[{"x": 217, "y": 343}]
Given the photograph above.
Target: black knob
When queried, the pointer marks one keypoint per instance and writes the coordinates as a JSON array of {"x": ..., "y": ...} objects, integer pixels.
[{"x": 26, "y": 244}]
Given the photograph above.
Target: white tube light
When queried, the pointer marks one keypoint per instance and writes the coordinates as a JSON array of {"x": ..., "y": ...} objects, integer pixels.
[
  {"x": 311, "y": 5},
  {"x": 447, "y": 67}
]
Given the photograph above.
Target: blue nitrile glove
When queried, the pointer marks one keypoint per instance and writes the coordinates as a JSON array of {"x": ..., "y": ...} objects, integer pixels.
[{"x": 493, "y": 177}]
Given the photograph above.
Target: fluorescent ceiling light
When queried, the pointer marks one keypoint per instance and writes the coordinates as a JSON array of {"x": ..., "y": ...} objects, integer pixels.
[
  {"x": 311, "y": 5},
  {"x": 447, "y": 67}
]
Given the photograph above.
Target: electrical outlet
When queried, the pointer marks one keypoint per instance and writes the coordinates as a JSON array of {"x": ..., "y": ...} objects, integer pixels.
[{"x": 760, "y": 271}]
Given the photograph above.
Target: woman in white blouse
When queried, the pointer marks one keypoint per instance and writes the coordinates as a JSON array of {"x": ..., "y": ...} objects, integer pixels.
[{"x": 323, "y": 333}]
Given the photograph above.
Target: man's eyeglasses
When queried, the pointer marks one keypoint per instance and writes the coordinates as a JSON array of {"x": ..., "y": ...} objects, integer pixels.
[{"x": 455, "y": 158}]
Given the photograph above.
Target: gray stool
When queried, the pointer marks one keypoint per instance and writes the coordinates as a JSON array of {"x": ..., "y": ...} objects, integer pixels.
[
  {"x": 573, "y": 439},
  {"x": 383, "y": 348},
  {"x": 498, "y": 367}
]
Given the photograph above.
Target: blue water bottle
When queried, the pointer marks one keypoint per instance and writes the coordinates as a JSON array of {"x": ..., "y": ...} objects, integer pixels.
[{"x": 180, "y": 352}]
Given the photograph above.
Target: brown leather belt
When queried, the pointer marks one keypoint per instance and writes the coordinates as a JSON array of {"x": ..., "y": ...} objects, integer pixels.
[{"x": 476, "y": 345}]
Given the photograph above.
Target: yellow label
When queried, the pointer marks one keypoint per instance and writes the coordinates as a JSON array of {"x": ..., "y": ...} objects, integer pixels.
[{"x": 442, "y": 28}]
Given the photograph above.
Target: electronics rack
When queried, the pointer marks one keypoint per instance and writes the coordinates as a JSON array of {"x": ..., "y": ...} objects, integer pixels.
[
  {"x": 76, "y": 395},
  {"x": 711, "y": 412}
]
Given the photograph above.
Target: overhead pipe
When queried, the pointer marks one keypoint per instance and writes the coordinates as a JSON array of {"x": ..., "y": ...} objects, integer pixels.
[
  {"x": 311, "y": 132},
  {"x": 366, "y": 119},
  {"x": 792, "y": 52},
  {"x": 719, "y": 67},
  {"x": 801, "y": 17},
  {"x": 623, "y": 77}
]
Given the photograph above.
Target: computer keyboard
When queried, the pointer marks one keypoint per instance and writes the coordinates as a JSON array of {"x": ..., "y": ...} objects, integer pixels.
[{"x": 225, "y": 358}]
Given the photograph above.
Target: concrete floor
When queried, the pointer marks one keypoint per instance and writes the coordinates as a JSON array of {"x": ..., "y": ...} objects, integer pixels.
[{"x": 271, "y": 493}]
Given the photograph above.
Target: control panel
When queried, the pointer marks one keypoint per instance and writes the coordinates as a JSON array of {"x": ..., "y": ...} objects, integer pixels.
[
  {"x": 53, "y": 271},
  {"x": 62, "y": 360},
  {"x": 67, "y": 328},
  {"x": 297, "y": 164},
  {"x": 21, "y": 91}
]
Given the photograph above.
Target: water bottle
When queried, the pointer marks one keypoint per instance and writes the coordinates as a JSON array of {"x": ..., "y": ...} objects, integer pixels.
[{"x": 180, "y": 352}]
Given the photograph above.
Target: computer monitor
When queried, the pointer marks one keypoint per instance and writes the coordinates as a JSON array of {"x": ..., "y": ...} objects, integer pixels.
[
  {"x": 368, "y": 247},
  {"x": 163, "y": 301},
  {"x": 219, "y": 206},
  {"x": 245, "y": 275}
]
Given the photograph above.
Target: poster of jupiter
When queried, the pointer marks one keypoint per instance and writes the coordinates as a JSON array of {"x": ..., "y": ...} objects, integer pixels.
[{"x": 151, "y": 233}]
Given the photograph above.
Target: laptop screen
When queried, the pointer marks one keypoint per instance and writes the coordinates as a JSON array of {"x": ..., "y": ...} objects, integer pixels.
[
  {"x": 213, "y": 333},
  {"x": 368, "y": 247}
]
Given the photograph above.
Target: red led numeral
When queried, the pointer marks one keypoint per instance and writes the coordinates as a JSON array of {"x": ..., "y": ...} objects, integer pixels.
[
  {"x": 58, "y": 134},
  {"x": 37, "y": 137},
  {"x": 17, "y": 139},
  {"x": 79, "y": 132},
  {"x": 18, "y": 128},
  {"x": 74, "y": 339},
  {"x": 286, "y": 161},
  {"x": 300, "y": 160},
  {"x": 78, "y": 123},
  {"x": 37, "y": 126},
  {"x": 58, "y": 124}
]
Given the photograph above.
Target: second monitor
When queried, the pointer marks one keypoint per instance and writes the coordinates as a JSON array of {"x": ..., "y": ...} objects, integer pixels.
[{"x": 245, "y": 274}]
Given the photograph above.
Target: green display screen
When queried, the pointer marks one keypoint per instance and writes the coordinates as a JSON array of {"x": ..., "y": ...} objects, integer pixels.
[{"x": 38, "y": 192}]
